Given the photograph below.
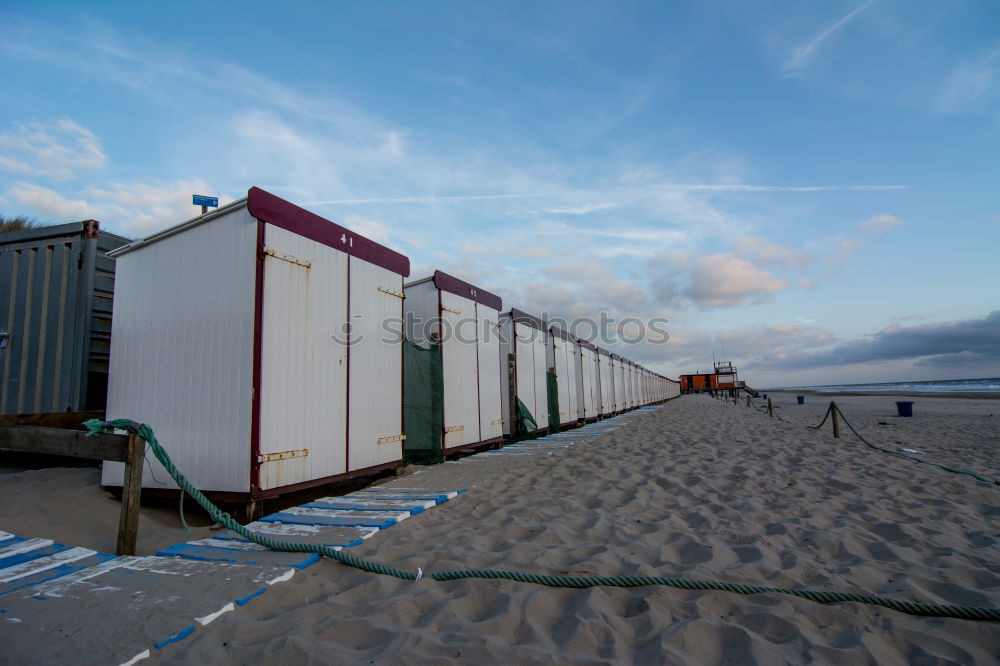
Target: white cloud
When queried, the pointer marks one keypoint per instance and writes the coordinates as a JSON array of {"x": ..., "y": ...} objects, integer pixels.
[
  {"x": 803, "y": 54},
  {"x": 56, "y": 149},
  {"x": 130, "y": 208},
  {"x": 372, "y": 229},
  {"x": 969, "y": 82},
  {"x": 146, "y": 207},
  {"x": 882, "y": 222},
  {"x": 725, "y": 281},
  {"x": 770, "y": 253},
  {"x": 736, "y": 187},
  {"x": 49, "y": 203},
  {"x": 580, "y": 210}
]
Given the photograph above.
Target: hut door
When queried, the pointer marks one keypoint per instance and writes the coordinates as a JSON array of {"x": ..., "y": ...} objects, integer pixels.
[
  {"x": 376, "y": 383},
  {"x": 490, "y": 420},
  {"x": 303, "y": 361},
  {"x": 459, "y": 355}
]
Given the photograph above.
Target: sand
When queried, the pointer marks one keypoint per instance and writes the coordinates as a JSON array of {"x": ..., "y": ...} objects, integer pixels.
[
  {"x": 699, "y": 489},
  {"x": 68, "y": 504}
]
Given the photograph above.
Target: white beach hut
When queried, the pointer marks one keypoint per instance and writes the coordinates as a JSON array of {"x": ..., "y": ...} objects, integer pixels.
[
  {"x": 523, "y": 352},
  {"x": 563, "y": 359},
  {"x": 464, "y": 320},
  {"x": 606, "y": 372},
  {"x": 252, "y": 340},
  {"x": 588, "y": 381}
]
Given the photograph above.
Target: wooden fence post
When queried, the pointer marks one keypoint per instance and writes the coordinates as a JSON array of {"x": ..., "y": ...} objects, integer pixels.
[
  {"x": 770, "y": 409},
  {"x": 836, "y": 423},
  {"x": 128, "y": 523}
]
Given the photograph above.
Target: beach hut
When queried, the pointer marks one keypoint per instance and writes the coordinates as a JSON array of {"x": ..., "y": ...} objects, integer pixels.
[
  {"x": 626, "y": 373},
  {"x": 588, "y": 381},
  {"x": 462, "y": 320},
  {"x": 57, "y": 286},
  {"x": 523, "y": 351},
  {"x": 618, "y": 384},
  {"x": 562, "y": 359},
  {"x": 607, "y": 391},
  {"x": 256, "y": 340}
]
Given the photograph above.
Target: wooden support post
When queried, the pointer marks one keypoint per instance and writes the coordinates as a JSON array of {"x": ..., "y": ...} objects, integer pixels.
[
  {"x": 128, "y": 523},
  {"x": 833, "y": 417},
  {"x": 770, "y": 408},
  {"x": 102, "y": 446}
]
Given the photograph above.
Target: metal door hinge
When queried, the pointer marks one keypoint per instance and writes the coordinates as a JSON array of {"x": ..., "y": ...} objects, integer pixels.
[
  {"x": 386, "y": 290},
  {"x": 271, "y": 252},
  {"x": 454, "y": 428},
  {"x": 447, "y": 309},
  {"x": 393, "y": 438},
  {"x": 282, "y": 455}
]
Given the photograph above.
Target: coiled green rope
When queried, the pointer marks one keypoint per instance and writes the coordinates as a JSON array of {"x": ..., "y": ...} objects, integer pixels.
[{"x": 577, "y": 582}]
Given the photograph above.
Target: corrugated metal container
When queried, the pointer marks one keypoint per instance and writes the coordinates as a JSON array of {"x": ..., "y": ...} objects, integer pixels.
[
  {"x": 257, "y": 341},
  {"x": 562, "y": 356},
  {"x": 57, "y": 286},
  {"x": 523, "y": 349},
  {"x": 464, "y": 319},
  {"x": 606, "y": 370}
]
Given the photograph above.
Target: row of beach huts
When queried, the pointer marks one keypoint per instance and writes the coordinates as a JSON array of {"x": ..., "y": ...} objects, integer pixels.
[{"x": 273, "y": 350}]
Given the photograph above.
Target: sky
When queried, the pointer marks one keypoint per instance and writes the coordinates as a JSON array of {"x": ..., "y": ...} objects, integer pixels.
[{"x": 810, "y": 190}]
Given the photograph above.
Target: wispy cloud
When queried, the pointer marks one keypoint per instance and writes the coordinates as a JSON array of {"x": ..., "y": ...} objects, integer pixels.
[
  {"x": 732, "y": 187},
  {"x": 146, "y": 206},
  {"x": 429, "y": 200},
  {"x": 803, "y": 55},
  {"x": 970, "y": 82},
  {"x": 580, "y": 210},
  {"x": 882, "y": 222},
  {"x": 56, "y": 149}
]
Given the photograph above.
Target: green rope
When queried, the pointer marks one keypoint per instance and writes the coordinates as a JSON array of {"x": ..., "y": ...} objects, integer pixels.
[
  {"x": 222, "y": 518},
  {"x": 834, "y": 405},
  {"x": 577, "y": 582}
]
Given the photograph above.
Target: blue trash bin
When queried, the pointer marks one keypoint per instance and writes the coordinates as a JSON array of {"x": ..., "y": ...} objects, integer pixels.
[
  {"x": 763, "y": 396},
  {"x": 904, "y": 408},
  {"x": 801, "y": 399}
]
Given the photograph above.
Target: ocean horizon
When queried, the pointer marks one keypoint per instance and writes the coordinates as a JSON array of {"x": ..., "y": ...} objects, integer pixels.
[{"x": 983, "y": 385}]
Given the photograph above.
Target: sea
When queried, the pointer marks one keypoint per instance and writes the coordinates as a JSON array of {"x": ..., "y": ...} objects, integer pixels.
[{"x": 988, "y": 385}]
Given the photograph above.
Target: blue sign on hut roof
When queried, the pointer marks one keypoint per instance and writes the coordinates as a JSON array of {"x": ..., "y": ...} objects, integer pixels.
[{"x": 202, "y": 200}]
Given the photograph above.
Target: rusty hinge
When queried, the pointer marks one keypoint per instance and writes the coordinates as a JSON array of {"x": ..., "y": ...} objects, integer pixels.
[
  {"x": 393, "y": 438},
  {"x": 271, "y": 252},
  {"x": 282, "y": 455},
  {"x": 386, "y": 290},
  {"x": 496, "y": 421},
  {"x": 454, "y": 428},
  {"x": 447, "y": 309}
]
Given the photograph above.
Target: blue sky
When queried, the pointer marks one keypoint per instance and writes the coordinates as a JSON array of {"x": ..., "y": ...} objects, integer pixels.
[{"x": 811, "y": 190}]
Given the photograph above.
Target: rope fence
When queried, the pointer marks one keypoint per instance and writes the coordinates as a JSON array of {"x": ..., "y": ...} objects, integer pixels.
[{"x": 575, "y": 582}]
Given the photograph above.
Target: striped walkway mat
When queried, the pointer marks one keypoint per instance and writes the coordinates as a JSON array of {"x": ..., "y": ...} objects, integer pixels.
[
  {"x": 558, "y": 441},
  {"x": 53, "y": 597}
]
